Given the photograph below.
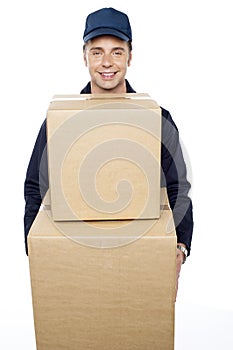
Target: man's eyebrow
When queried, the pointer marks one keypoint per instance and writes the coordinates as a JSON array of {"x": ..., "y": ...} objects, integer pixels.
[
  {"x": 118, "y": 48},
  {"x": 96, "y": 48}
]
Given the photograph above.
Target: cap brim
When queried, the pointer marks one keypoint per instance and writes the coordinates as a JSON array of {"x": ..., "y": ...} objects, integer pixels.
[{"x": 105, "y": 31}]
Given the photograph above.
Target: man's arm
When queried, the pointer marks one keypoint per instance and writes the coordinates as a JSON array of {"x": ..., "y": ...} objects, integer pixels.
[
  {"x": 36, "y": 182},
  {"x": 174, "y": 177}
]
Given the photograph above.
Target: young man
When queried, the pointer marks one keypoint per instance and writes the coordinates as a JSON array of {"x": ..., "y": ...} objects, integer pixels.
[{"x": 107, "y": 54}]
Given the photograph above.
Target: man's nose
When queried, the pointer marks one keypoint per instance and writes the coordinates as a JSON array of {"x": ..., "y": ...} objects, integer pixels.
[{"x": 107, "y": 60}]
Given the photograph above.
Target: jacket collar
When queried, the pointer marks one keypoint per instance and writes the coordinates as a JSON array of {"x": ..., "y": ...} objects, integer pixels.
[{"x": 87, "y": 88}]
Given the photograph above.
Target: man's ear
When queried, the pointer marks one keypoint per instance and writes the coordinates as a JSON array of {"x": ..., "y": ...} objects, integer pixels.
[
  {"x": 130, "y": 59},
  {"x": 85, "y": 58}
]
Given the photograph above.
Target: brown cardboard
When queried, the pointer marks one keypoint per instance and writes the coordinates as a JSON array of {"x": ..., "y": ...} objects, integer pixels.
[
  {"x": 104, "y": 157},
  {"x": 99, "y": 299}
]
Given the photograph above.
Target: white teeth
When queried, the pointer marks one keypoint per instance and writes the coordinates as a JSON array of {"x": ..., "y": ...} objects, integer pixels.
[{"x": 108, "y": 75}]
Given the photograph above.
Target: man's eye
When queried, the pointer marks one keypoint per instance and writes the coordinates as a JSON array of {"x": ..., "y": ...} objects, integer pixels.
[
  {"x": 96, "y": 53},
  {"x": 117, "y": 53}
]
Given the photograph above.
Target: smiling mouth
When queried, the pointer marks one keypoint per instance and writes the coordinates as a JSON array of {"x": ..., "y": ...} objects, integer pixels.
[{"x": 108, "y": 76}]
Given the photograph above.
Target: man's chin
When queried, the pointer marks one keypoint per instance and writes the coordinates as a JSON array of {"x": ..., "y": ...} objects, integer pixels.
[{"x": 110, "y": 87}]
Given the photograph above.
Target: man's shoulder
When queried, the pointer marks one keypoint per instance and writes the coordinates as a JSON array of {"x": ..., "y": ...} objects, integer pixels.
[{"x": 167, "y": 118}]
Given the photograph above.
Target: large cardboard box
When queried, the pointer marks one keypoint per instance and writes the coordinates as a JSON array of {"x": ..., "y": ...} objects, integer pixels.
[
  {"x": 104, "y": 157},
  {"x": 96, "y": 290}
]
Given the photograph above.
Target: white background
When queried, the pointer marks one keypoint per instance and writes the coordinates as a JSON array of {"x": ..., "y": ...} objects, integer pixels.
[{"x": 182, "y": 57}]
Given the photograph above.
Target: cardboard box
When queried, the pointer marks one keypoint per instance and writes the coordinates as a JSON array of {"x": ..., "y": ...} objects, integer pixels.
[
  {"x": 118, "y": 297},
  {"x": 104, "y": 157}
]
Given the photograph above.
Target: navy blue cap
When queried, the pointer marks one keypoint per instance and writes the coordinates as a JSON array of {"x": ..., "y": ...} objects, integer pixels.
[{"x": 107, "y": 21}]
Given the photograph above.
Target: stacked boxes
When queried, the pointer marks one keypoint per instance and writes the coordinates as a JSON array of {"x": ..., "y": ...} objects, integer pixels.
[{"x": 102, "y": 251}]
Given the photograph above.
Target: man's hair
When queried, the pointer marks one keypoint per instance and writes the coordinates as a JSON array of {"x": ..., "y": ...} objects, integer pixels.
[{"x": 128, "y": 42}]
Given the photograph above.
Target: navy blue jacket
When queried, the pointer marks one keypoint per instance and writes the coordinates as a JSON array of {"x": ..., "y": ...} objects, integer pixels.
[{"x": 172, "y": 163}]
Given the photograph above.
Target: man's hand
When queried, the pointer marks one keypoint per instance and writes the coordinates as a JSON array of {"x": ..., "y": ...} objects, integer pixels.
[{"x": 180, "y": 257}]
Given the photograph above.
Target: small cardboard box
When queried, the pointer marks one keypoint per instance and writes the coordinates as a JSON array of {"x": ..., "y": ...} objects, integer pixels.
[
  {"x": 118, "y": 297},
  {"x": 104, "y": 157}
]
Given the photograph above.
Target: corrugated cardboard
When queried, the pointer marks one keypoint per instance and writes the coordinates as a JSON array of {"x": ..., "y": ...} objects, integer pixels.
[
  {"x": 104, "y": 157},
  {"x": 113, "y": 298}
]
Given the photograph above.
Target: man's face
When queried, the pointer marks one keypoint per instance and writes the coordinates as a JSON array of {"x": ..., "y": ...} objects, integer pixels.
[{"x": 107, "y": 59}]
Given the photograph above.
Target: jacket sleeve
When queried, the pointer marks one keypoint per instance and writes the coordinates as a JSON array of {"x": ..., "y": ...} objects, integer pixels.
[
  {"x": 174, "y": 177},
  {"x": 36, "y": 182}
]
